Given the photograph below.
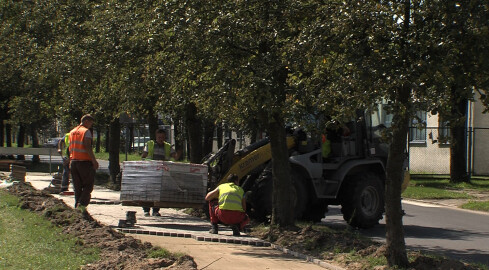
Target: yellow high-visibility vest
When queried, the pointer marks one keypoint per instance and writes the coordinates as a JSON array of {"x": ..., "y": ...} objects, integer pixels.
[
  {"x": 230, "y": 197},
  {"x": 151, "y": 150}
]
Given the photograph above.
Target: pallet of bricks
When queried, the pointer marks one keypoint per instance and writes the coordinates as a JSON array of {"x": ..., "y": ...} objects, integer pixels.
[
  {"x": 55, "y": 185},
  {"x": 163, "y": 184},
  {"x": 16, "y": 168},
  {"x": 18, "y": 172}
]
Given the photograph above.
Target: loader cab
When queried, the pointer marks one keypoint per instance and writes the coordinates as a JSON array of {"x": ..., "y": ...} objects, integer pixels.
[
  {"x": 377, "y": 122},
  {"x": 357, "y": 139},
  {"x": 362, "y": 137},
  {"x": 345, "y": 140}
]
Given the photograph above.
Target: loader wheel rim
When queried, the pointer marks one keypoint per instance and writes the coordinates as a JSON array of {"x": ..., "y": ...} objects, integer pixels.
[{"x": 370, "y": 201}]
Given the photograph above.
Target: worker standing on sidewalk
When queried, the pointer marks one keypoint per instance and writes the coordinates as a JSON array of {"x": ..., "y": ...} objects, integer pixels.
[
  {"x": 161, "y": 150},
  {"x": 230, "y": 206},
  {"x": 63, "y": 145},
  {"x": 83, "y": 163}
]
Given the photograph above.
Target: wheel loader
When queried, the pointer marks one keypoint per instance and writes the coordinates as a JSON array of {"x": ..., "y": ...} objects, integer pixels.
[{"x": 352, "y": 175}]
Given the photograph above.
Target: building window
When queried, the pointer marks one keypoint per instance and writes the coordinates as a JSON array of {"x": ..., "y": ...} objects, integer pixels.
[
  {"x": 417, "y": 131},
  {"x": 443, "y": 131},
  {"x": 386, "y": 117}
]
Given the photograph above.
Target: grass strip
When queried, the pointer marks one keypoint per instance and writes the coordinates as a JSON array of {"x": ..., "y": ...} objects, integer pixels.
[
  {"x": 29, "y": 241},
  {"x": 416, "y": 192},
  {"x": 478, "y": 185},
  {"x": 443, "y": 189},
  {"x": 476, "y": 205}
]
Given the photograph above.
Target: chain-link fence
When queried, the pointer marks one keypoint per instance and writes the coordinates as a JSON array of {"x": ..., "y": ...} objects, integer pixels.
[{"x": 429, "y": 150}]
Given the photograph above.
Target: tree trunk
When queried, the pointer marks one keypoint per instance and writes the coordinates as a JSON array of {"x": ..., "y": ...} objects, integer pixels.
[
  {"x": 107, "y": 140},
  {"x": 2, "y": 136},
  {"x": 153, "y": 124},
  {"x": 254, "y": 135},
  {"x": 35, "y": 142},
  {"x": 97, "y": 145},
  {"x": 396, "y": 246},
  {"x": 194, "y": 131},
  {"x": 131, "y": 138},
  {"x": 219, "y": 135},
  {"x": 8, "y": 135},
  {"x": 20, "y": 141},
  {"x": 209, "y": 127},
  {"x": 177, "y": 131},
  {"x": 114, "y": 149},
  {"x": 458, "y": 142},
  {"x": 282, "y": 202}
]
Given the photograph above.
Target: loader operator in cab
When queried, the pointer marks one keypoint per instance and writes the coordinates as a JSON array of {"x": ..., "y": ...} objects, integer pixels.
[
  {"x": 227, "y": 205},
  {"x": 161, "y": 150}
]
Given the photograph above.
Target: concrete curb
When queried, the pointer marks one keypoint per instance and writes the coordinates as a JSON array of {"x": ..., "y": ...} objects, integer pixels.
[
  {"x": 236, "y": 240},
  {"x": 105, "y": 202},
  {"x": 216, "y": 239},
  {"x": 310, "y": 259}
]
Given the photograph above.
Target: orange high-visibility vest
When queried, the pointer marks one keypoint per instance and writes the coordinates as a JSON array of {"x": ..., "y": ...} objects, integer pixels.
[{"x": 77, "y": 149}]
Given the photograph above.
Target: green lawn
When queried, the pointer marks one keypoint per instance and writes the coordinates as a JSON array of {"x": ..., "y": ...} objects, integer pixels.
[
  {"x": 481, "y": 184},
  {"x": 122, "y": 157},
  {"x": 28, "y": 241},
  {"x": 443, "y": 189},
  {"x": 422, "y": 192},
  {"x": 479, "y": 206}
]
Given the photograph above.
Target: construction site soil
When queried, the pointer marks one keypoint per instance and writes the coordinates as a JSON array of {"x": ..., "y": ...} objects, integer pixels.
[{"x": 119, "y": 251}]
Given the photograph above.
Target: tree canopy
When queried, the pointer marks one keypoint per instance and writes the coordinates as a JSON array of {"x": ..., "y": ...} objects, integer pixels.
[{"x": 253, "y": 65}]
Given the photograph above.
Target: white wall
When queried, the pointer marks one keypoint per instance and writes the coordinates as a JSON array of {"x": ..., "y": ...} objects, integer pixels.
[
  {"x": 480, "y": 140},
  {"x": 429, "y": 156}
]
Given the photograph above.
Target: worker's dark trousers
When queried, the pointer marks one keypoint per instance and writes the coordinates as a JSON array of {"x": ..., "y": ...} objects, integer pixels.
[
  {"x": 65, "y": 183},
  {"x": 228, "y": 217},
  {"x": 83, "y": 176}
]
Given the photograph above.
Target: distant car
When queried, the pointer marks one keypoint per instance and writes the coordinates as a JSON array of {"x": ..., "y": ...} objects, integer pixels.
[
  {"x": 140, "y": 142},
  {"x": 52, "y": 142}
]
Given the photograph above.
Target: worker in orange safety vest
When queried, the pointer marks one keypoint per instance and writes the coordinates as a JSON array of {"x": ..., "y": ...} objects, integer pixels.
[{"x": 83, "y": 163}]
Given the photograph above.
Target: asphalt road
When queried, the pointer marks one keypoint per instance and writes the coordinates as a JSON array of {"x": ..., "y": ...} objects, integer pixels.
[{"x": 456, "y": 233}]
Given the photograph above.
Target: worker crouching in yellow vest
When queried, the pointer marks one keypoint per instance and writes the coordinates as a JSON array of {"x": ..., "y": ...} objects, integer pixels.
[{"x": 227, "y": 204}]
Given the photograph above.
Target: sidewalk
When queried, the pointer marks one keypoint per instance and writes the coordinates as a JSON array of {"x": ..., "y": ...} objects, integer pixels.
[{"x": 179, "y": 232}]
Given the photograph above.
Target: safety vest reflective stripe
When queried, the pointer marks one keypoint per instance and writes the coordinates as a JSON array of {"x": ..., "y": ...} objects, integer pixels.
[
  {"x": 230, "y": 197},
  {"x": 77, "y": 149}
]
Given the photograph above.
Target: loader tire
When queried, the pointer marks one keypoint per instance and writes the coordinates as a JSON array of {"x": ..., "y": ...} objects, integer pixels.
[
  {"x": 300, "y": 195},
  {"x": 316, "y": 212},
  {"x": 263, "y": 196},
  {"x": 363, "y": 205},
  {"x": 262, "y": 199}
]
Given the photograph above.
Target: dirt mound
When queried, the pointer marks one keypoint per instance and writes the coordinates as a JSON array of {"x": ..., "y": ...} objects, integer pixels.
[
  {"x": 118, "y": 251},
  {"x": 335, "y": 246}
]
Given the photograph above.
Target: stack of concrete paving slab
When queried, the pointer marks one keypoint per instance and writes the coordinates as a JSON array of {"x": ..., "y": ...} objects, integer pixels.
[{"x": 163, "y": 183}]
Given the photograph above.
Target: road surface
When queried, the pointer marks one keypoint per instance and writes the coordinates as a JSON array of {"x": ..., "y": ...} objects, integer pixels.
[{"x": 456, "y": 233}]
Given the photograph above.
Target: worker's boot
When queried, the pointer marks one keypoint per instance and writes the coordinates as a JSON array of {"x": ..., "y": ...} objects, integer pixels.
[
  {"x": 214, "y": 229},
  {"x": 235, "y": 229}
]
